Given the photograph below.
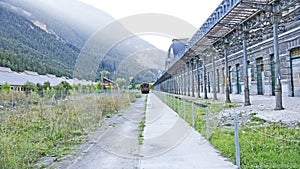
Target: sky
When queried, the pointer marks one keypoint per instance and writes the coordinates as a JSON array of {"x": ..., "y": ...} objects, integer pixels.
[{"x": 194, "y": 12}]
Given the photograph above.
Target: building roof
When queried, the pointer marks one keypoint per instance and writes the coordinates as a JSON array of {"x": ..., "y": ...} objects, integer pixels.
[
  {"x": 5, "y": 69},
  {"x": 19, "y": 79},
  {"x": 105, "y": 79}
]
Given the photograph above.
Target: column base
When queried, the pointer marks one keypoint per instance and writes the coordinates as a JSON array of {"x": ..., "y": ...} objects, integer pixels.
[
  {"x": 278, "y": 96},
  {"x": 247, "y": 97}
]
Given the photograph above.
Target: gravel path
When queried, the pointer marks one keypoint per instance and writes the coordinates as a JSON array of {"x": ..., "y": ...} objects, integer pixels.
[{"x": 262, "y": 107}]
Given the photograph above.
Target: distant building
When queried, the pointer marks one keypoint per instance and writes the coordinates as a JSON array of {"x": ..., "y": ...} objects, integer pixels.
[
  {"x": 174, "y": 51},
  {"x": 108, "y": 84},
  {"x": 17, "y": 80}
]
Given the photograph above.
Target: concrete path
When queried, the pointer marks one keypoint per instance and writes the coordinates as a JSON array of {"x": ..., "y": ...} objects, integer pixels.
[
  {"x": 114, "y": 146},
  {"x": 170, "y": 143}
]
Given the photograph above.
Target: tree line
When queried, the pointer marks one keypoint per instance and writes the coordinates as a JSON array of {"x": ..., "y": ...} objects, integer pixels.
[{"x": 61, "y": 90}]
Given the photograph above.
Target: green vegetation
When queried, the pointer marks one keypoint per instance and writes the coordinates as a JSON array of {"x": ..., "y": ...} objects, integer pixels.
[
  {"x": 31, "y": 130},
  {"x": 272, "y": 145},
  {"x": 148, "y": 75},
  {"x": 5, "y": 87},
  {"x": 24, "y": 46},
  {"x": 142, "y": 124},
  {"x": 141, "y": 130},
  {"x": 255, "y": 121},
  {"x": 60, "y": 91}
]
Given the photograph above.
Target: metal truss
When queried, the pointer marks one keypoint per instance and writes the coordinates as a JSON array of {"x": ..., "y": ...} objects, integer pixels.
[{"x": 234, "y": 20}]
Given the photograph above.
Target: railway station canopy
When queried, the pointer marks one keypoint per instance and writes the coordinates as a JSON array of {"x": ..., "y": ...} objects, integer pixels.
[{"x": 227, "y": 22}]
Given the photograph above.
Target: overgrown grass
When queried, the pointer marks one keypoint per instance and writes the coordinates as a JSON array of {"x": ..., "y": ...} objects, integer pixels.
[
  {"x": 273, "y": 146},
  {"x": 261, "y": 146},
  {"x": 36, "y": 130},
  {"x": 142, "y": 124},
  {"x": 141, "y": 130}
]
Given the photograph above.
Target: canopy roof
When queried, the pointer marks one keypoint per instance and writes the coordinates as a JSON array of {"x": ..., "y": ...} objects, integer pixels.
[{"x": 227, "y": 17}]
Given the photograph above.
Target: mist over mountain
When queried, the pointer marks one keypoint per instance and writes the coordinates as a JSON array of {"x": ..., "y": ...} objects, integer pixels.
[
  {"x": 71, "y": 20},
  {"x": 61, "y": 29}
]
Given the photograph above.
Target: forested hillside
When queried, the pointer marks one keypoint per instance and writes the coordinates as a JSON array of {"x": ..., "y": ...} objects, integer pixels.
[
  {"x": 23, "y": 45},
  {"x": 47, "y": 36}
]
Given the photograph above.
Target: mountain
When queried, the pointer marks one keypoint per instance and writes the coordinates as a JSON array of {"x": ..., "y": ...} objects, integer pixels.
[
  {"x": 47, "y": 36},
  {"x": 71, "y": 20},
  {"x": 23, "y": 45}
]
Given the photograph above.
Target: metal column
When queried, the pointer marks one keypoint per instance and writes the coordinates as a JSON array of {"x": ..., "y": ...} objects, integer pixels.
[
  {"x": 175, "y": 84},
  {"x": 214, "y": 78},
  {"x": 246, "y": 78},
  {"x": 188, "y": 78},
  {"x": 192, "y": 78},
  {"x": 204, "y": 79},
  {"x": 227, "y": 96},
  {"x": 278, "y": 89},
  {"x": 182, "y": 82},
  {"x": 198, "y": 76}
]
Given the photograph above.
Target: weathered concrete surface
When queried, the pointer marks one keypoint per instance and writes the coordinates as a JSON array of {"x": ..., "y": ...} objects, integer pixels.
[
  {"x": 114, "y": 146},
  {"x": 171, "y": 143}
]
